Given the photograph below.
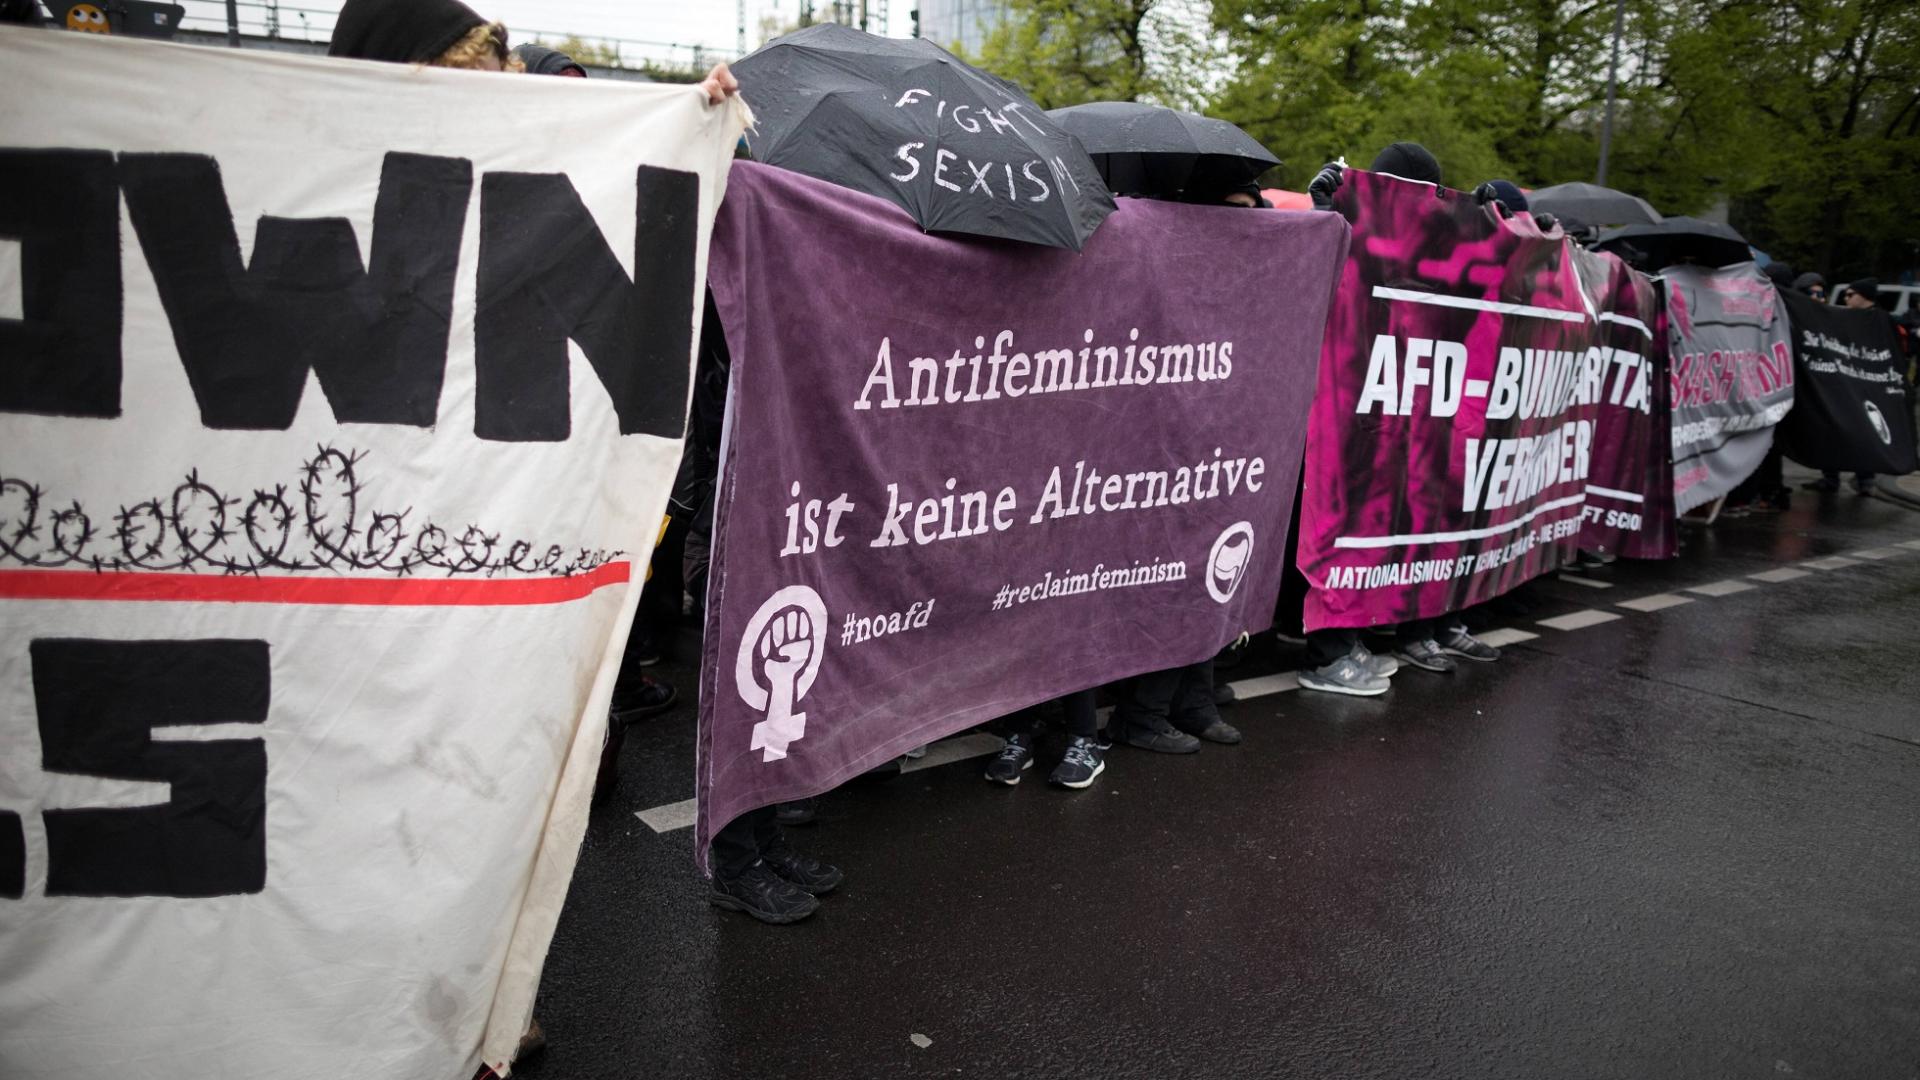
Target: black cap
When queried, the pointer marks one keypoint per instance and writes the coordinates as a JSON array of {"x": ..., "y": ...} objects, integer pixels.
[
  {"x": 1780, "y": 273},
  {"x": 1808, "y": 280},
  {"x": 400, "y": 31},
  {"x": 1409, "y": 161},
  {"x": 1868, "y": 287}
]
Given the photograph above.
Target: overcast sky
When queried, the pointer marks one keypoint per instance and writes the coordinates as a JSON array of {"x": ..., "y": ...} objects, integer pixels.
[{"x": 710, "y": 23}]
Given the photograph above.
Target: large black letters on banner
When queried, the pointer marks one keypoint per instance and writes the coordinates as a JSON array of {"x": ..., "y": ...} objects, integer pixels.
[
  {"x": 63, "y": 356},
  {"x": 547, "y": 275},
  {"x": 248, "y": 333},
  {"x": 98, "y": 703},
  {"x": 13, "y": 856}
]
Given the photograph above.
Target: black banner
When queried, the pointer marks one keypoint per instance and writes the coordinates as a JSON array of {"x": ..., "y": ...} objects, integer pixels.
[{"x": 1850, "y": 409}]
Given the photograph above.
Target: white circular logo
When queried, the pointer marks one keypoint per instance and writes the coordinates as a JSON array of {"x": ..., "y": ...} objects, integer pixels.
[
  {"x": 1879, "y": 423},
  {"x": 779, "y": 655},
  {"x": 1227, "y": 563}
]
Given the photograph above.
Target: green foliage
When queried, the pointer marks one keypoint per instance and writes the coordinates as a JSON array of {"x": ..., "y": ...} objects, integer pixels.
[{"x": 1802, "y": 117}]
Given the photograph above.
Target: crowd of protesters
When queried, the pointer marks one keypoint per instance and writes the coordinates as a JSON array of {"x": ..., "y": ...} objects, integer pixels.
[{"x": 1175, "y": 711}]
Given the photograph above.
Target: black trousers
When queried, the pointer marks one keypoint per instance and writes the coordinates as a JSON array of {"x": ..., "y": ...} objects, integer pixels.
[
  {"x": 1080, "y": 716},
  {"x": 1326, "y": 646},
  {"x": 738, "y": 846},
  {"x": 1182, "y": 696}
]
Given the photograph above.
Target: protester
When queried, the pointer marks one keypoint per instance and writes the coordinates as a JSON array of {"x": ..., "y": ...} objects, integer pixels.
[
  {"x": 1861, "y": 295},
  {"x": 1083, "y": 761},
  {"x": 1812, "y": 284},
  {"x": 1766, "y": 491}
]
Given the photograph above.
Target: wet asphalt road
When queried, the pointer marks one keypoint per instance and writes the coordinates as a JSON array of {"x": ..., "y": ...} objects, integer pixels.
[{"x": 1681, "y": 843}]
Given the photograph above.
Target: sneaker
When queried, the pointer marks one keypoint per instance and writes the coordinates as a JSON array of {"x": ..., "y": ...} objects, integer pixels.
[
  {"x": 808, "y": 874},
  {"x": 915, "y": 754},
  {"x": 763, "y": 894},
  {"x": 1082, "y": 763},
  {"x": 1103, "y": 739},
  {"x": 1456, "y": 641},
  {"x": 1343, "y": 676},
  {"x": 1426, "y": 656},
  {"x": 653, "y": 698},
  {"x": 797, "y": 812},
  {"x": 1372, "y": 662},
  {"x": 1213, "y": 730},
  {"x": 1862, "y": 486},
  {"x": 1160, "y": 737},
  {"x": 1013, "y": 759}
]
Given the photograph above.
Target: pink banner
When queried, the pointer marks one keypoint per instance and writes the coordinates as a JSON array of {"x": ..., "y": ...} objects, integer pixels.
[{"x": 1486, "y": 406}]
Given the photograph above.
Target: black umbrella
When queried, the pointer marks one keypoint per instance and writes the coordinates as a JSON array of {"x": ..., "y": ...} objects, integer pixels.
[
  {"x": 1584, "y": 205},
  {"x": 1151, "y": 150},
  {"x": 959, "y": 149},
  {"x": 1677, "y": 239}
]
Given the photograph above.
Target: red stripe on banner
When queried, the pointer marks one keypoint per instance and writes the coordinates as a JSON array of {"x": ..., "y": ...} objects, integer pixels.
[{"x": 240, "y": 589}]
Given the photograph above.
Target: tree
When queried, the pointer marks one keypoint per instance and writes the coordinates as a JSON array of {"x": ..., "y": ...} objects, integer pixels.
[{"x": 1068, "y": 52}]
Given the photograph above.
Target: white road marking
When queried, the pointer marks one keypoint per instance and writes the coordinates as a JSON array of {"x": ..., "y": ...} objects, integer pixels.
[
  {"x": 1656, "y": 602},
  {"x": 1910, "y": 545},
  {"x": 1831, "y": 562},
  {"x": 1579, "y": 620},
  {"x": 946, "y": 751},
  {"x": 1576, "y": 579},
  {"x": 1878, "y": 553},
  {"x": 13, "y": 291},
  {"x": 1785, "y": 573},
  {"x": 207, "y": 732},
  {"x": 662, "y": 819},
  {"x": 1722, "y": 588},
  {"x": 1264, "y": 685},
  {"x": 1505, "y": 636}
]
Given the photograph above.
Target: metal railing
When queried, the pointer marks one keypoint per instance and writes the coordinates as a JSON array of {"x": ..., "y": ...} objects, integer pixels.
[{"x": 286, "y": 22}]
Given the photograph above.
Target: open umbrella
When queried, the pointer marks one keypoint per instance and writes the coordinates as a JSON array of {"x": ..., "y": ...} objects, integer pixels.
[
  {"x": 1677, "y": 239},
  {"x": 959, "y": 149},
  {"x": 1583, "y": 205},
  {"x": 1152, "y": 150}
]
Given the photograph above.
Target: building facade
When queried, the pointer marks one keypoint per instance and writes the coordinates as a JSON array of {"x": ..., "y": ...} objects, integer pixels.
[{"x": 961, "y": 25}]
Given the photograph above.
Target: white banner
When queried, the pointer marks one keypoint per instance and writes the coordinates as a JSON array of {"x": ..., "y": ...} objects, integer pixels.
[{"x": 339, "y": 404}]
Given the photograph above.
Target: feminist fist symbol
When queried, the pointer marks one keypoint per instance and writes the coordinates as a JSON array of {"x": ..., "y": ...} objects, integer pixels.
[{"x": 779, "y": 656}]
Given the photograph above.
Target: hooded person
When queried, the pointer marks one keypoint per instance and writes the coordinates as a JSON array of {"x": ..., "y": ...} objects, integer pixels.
[
  {"x": 541, "y": 60},
  {"x": 1863, "y": 294},
  {"x": 1812, "y": 284},
  {"x": 438, "y": 33},
  {"x": 1780, "y": 274}
]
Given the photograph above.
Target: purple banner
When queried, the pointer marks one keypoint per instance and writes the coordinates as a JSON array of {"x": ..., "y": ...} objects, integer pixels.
[
  {"x": 1629, "y": 510},
  {"x": 961, "y": 478},
  {"x": 1470, "y": 366}
]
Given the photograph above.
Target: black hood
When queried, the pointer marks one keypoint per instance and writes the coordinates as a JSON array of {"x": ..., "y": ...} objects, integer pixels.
[
  {"x": 541, "y": 60},
  {"x": 401, "y": 31},
  {"x": 1409, "y": 161}
]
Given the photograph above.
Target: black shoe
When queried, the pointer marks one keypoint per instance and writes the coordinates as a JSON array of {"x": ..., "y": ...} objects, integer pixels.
[
  {"x": 1862, "y": 486},
  {"x": 1218, "y": 731},
  {"x": 1082, "y": 763},
  {"x": 763, "y": 894},
  {"x": 797, "y": 812},
  {"x": 1160, "y": 737},
  {"x": 1013, "y": 759},
  {"x": 807, "y": 873},
  {"x": 653, "y": 698},
  {"x": 1427, "y": 656},
  {"x": 1826, "y": 485}
]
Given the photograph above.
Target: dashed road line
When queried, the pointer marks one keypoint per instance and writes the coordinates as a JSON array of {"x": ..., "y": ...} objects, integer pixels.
[
  {"x": 1785, "y": 573},
  {"x": 1506, "y": 636},
  {"x": 677, "y": 815},
  {"x": 1722, "y": 588},
  {"x": 1655, "y": 602},
  {"x": 1576, "y": 579},
  {"x": 1831, "y": 562},
  {"x": 1579, "y": 620},
  {"x": 1878, "y": 553}
]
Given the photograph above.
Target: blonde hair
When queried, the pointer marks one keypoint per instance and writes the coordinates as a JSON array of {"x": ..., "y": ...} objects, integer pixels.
[{"x": 479, "y": 43}]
